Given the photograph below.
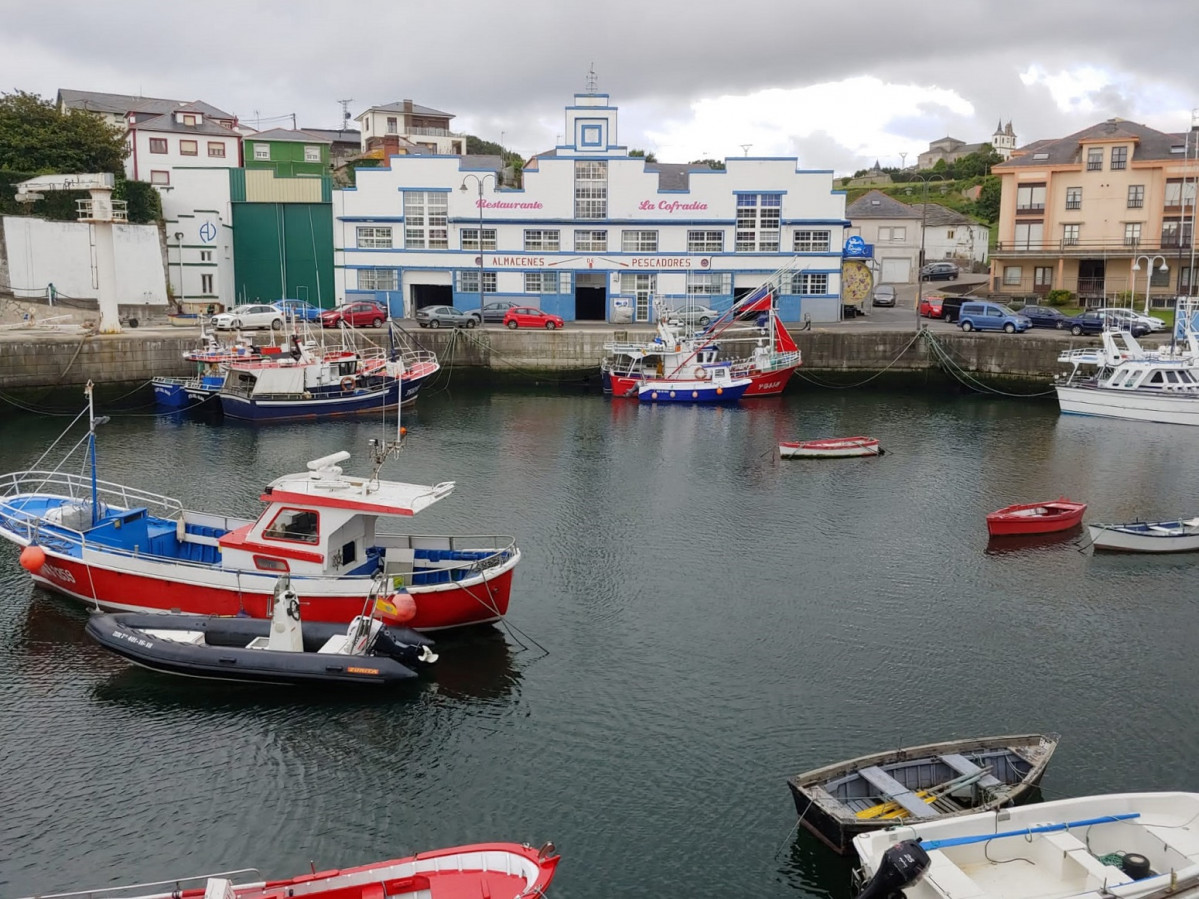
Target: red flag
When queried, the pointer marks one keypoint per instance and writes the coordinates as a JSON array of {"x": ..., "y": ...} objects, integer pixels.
[
  {"x": 782, "y": 338},
  {"x": 754, "y": 303}
]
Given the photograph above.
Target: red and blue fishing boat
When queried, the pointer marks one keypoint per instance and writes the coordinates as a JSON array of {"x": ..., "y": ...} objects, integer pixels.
[{"x": 125, "y": 549}]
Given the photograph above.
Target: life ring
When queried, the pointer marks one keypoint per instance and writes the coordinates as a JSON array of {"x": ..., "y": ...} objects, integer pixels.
[
  {"x": 347, "y": 384},
  {"x": 700, "y": 373}
]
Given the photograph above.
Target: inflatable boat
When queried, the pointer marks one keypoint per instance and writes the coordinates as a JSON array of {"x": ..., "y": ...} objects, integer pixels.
[{"x": 281, "y": 650}]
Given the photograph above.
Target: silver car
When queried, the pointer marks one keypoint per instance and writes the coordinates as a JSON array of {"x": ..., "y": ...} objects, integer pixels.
[
  {"x": 249, "y": 315},
  {"x": 700, "y": 316},
  {"x": 884, "y": 295}
]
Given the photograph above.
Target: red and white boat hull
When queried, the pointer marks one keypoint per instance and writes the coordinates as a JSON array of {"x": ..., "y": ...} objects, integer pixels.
[{"x": 834, "y": 448}]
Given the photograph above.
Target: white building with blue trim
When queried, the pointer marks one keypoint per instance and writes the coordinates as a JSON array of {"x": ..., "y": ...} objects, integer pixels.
[{"x": 593, "y": 234}]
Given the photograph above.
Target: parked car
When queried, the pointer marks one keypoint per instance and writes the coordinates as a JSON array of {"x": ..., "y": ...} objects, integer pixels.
[
  {"x": 987, "y": 316},
  {"x": 1046, "y": 317},
  {"x": 491, "y": 312},
  {"x": 700, "y": 316},
  {"x": 940, "y": 271},
  {"x": 249, "y": 315},
  {"x": 358, "y": 314},
  {"x": 300, "y": 310},
  {"x": 444, "y": 317},
  {"x": 884, "y": 295},
  {"x": 1121, "y": 314},
  {"x": 1113, "y": 318},
  {"x": 951, "y": 307},
  {"x": 930, "y": 306},
  {"x": 1085, "y": 323},
  {"x": 531, "y": 317}
]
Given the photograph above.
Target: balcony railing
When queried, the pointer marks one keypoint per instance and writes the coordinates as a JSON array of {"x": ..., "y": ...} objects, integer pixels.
[
  {"x": 1116, "y": 246},
  {"x": 1030, "y": 208}
]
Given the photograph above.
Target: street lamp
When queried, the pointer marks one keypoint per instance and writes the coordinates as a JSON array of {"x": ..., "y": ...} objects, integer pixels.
[
  {"x": 1136, "y": 267},
  {"x": 179, "y": 247},
  {"x": 924, "y": 179},
  {"x": 479, "y": 182}
]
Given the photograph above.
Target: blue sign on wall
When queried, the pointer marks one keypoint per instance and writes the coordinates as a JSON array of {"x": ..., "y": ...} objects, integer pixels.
[{"x": 856, "y": 248}]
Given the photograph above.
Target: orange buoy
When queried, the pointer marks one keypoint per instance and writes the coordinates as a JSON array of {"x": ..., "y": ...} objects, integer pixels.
[
  {"x": 33, "y": 557},
  {"x": 397, "y": 608}
]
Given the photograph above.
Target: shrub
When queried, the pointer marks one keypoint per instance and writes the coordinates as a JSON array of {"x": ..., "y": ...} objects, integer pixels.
[{"x": 1059, "y": 297}]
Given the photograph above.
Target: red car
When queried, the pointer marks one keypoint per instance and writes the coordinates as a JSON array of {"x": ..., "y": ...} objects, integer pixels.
[
  {"x": 358, "y": 314},
  {"x": 930, "y": 307},
  {"x": 531, "y": 317}
]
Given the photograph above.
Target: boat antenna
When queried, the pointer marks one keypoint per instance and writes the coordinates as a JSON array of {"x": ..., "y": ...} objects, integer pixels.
[{"x": 92, "y": 422}]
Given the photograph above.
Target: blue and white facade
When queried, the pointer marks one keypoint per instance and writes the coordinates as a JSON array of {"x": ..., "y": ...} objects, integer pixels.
[{"x": 594, "y": 234}]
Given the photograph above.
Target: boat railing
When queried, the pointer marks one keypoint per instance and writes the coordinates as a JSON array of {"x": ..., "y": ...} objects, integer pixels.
[
  {"x": 80, "y": 487},
  {"x": 468, "y": 553},
  {"x": 176, "y": 886}
]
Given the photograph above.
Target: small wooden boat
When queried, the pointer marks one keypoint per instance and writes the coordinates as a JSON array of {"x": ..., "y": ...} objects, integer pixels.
[
  {"x": 282, "y": 650},
  {"x": 831, "y": 448},
  {"x": 1178, "y": 536},
  {"x": 1036, "y": 518},
  {"x": 509, "y": 870},
  {"x": 1130, "y": 845},
  {"x": 920, "y": 783}
]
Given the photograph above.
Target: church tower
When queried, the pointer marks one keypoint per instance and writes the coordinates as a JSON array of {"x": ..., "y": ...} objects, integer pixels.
[{"x": 1004, "y": 139}]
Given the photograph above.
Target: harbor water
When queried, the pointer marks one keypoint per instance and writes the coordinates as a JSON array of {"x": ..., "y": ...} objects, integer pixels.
[{"x": 693, "y": 621}]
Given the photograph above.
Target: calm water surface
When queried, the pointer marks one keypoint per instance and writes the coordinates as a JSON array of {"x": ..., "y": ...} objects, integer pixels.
[{"x": 693, "y": 621}]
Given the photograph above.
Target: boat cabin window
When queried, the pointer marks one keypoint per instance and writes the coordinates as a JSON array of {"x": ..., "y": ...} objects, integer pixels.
[
  {"x": 349, "y": 553},
  {"x": 293, "y": 524},
  {"x": 347, "y": 368}
]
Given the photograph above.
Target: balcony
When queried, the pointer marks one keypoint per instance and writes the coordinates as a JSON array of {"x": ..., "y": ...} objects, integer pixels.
[
  {"x": 1030, "y": 209},
  {"x": 1115, "y": 247}
]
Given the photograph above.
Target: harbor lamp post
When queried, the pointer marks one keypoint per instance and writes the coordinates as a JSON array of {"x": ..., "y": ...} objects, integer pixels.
[
  {"x": 923, "y": 179},
  {"x": 1136, "y": 267},
  {"x": 479, "y": 182}
]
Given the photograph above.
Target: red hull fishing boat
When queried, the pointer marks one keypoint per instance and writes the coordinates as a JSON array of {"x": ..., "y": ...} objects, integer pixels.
[
  {"x": 509, "y": 870},
  {"x": 831, "y": 448},
  {"x": 1036, "y": 518},
  {"x": 127, "y": 550}
]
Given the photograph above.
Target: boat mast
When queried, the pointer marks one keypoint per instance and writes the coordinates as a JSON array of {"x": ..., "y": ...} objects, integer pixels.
[{"x": 91, "y": 450}]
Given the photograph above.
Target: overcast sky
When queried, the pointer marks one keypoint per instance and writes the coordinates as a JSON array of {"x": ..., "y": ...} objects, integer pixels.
[{"x": 838, "y": 85}]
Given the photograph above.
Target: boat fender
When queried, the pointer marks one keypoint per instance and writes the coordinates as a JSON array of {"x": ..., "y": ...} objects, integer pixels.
[
  {"x": 33, "y": 557},
  {"x": 700, "y": 372},
  {"x": 1135, "y": 866},
  {"x": 901, "y": 866}
]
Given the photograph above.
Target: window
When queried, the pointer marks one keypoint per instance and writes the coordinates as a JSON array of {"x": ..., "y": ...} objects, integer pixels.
[
  {"x": 1180, "y": 192},
  {"x": 312, "y": 154},
  {"x": 1119, "y": 158},
  {"x": 1029, "y": 235},
  {"x": 206, "y": 284},
  {"x": 158, "y": 145},
  {"x": 1095, "y": 159},
  {"x": 809, "y": 283},
  {"x": 639, "y": 241},
  {"x": 470, "y": 238},
  {"x": 1136, "y": 196},
  {"x": 705, "y": 241},
  {"x": 262, "y": 151},
  {"x": 1074, "y": 198},
  {"x": 425, "y": 220},
  {"x": 160, "y": 177},
  {"x": 216, "y": 149},
  {"x": 189, "y": 148},
  {"x": 949, "y": 232},
  {"x": 1132, "y": 234},
  {"x": 468, "y": 281},
  {"x": 892, "y": 234},
  {"x": 591, "y": 189},
  {"x": 1012, "y": 275},
  {"x": 812, "y": 241},
  {"x": 206, "y": 255},
  {"x": 376, "y": 279},
  {"x": 709, "y": 284},
  {"x": 541, "y": 282},
  {"x": 758, "y": 223},
  {"x": 640, "y": 288},
  {"x": 1042, "y": 276},
  {"x": 542, "y": 240},
  {"x": 1158, "y": 278},
  {"x": 189, "y": 120},
  {"x": 1176, "y": 233},
  {"x": 1030, "y": 198},
  {"x": 374, "y": 238},
  {"x": 293, "y": 524},
  {"x": 591, "y": 241},
  {"x": 1070, "y": 235},
  {"x": 392, "y": 125}
]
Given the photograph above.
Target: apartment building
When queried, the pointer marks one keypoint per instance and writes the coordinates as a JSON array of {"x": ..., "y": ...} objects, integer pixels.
[{"x": 1106, "y": 213}]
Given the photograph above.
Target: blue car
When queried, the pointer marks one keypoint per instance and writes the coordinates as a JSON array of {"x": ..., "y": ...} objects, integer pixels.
[{"x": 300, "y": 310}]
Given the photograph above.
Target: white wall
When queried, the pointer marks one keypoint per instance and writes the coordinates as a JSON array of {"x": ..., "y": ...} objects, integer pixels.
[
  {"x": 198, "y": 206},
  {"x": 41, "y": 252}
]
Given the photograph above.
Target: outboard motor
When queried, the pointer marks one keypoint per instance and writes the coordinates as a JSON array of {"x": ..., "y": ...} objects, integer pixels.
[
  {"x": 902, "y": 865},
  {"x": 404, "y": 645}
]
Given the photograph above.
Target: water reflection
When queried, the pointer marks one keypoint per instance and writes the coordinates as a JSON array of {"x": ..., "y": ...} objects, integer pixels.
[
  {"x": 1028, "y": 543},
  {"x": 813, "y": 868}
]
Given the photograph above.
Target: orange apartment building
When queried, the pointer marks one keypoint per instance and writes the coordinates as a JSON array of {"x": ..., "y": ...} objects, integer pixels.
[{"x": 1080, "y": 212}]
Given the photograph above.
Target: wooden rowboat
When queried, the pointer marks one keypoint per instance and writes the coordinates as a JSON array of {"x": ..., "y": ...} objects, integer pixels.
[
  {"x": 920, "y": 783},
  {"x": 830, "y": 448},
  {"x": 1036, "y": 518}
]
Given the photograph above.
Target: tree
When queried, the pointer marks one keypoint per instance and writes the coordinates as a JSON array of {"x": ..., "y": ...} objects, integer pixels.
[
  {"x": 641, "y": 154},
  {"x": 716, "y": 164},
  {"x": 476, "y": 146},
  {"x": 36, "y": 139},
  {"x": 986, "y": 207}
]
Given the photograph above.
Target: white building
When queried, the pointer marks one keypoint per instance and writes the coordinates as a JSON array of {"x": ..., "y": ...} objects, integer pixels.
[{"x": 594, "y": 234}]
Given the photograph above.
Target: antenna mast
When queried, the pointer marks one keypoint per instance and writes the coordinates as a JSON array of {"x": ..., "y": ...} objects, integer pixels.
[{"x": 345, "y": 113}]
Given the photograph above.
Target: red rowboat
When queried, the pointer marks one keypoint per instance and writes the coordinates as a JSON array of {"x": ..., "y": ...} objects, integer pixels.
[
  {"x": 510, "y": 870},
  {"x": 1036, "y": 518},
  {"x": 830, "y": 448}
]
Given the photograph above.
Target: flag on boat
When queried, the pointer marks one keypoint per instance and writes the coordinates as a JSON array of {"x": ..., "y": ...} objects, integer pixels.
[
  {"x": 758, "y": 301},
  {"x": 783, "y": 341}
]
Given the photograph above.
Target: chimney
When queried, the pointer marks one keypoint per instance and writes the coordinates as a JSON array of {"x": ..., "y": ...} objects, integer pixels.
[{"x": 407, "y": 106}]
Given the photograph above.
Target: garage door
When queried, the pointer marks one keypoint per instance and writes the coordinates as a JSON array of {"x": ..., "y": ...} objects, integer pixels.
[{"x": 897, "y": 271}]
